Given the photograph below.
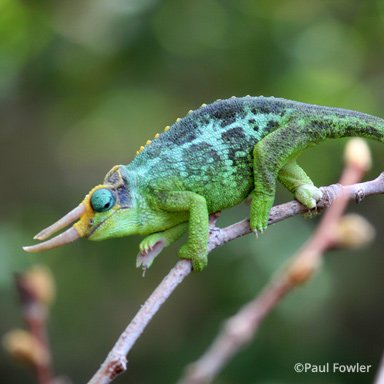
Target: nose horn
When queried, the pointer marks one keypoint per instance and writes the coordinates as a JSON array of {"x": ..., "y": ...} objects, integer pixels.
[
  {"x": 71, "y": 234},
  {"x": 64, "y": 238},
  {"x": 69, "y": 218}
]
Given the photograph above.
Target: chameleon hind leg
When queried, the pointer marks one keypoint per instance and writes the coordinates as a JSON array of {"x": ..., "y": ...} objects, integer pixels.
[
  {"x": 294, "y": 178},
  {"x": 271, "y": 154},
  {"x": 196, "y": 248}
]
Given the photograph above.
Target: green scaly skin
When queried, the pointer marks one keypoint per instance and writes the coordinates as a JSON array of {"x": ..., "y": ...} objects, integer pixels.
[{"x": 214, "y": 158}]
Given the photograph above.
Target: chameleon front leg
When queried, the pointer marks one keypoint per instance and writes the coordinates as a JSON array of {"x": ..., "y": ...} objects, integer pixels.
[
  {"x": 294, "y": 178},
  {"x": 153, "y": 244},
  {"x": 196, "y": 248},
  {"x": 271, "y": 154}
]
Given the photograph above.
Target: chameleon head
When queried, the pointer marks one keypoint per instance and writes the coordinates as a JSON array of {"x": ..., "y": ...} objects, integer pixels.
[{"x": 106, "y": 211}]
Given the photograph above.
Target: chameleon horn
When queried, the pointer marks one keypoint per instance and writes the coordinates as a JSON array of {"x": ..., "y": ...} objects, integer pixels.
[
  {"x": 69, "y": 218},
  {"x": 64, "y": 238}
]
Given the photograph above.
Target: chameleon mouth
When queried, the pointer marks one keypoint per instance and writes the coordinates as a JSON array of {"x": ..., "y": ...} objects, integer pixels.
[{"x": 68, "y": 236}]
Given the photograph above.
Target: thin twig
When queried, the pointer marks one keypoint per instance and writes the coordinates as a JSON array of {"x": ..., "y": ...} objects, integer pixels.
[
  {"x": 115, "y": 362},
  {"x": 35, "y": 314}
]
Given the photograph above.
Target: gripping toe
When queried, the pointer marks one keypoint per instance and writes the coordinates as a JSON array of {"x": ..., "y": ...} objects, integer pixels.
[{"x": 308, "y": 195}]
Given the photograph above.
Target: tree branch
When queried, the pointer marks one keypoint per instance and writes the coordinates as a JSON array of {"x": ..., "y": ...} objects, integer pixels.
[{"x": 357, "y": 192}]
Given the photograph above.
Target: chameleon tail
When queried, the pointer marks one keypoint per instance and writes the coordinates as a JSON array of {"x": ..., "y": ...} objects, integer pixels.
[{"x": 346, "y": 123}]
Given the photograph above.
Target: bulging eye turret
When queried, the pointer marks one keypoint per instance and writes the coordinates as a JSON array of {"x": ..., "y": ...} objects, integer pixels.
[{"x": 102, "y": 200}]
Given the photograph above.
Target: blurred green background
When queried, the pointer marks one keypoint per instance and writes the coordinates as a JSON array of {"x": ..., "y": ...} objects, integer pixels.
[{"x": 84, "y": 83}]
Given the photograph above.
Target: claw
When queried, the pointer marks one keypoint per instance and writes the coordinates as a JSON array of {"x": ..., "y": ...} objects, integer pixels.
[
  {"x": 147, "y": 255},
  {"x": 258, "y": 232}
]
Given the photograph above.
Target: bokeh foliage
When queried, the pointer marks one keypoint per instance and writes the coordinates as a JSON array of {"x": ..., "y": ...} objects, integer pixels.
[{"x": 84, "y": 83}]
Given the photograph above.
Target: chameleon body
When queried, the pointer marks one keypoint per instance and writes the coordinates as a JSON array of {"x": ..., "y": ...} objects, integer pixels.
[{"x": 213, "y": 159}]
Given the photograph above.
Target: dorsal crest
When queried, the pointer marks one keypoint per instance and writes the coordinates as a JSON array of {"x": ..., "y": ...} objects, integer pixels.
[{"x": 167, "y": 128}]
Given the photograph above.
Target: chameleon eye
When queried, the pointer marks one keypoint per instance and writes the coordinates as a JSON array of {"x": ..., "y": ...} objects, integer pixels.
[{"x": 102, "y": 200}]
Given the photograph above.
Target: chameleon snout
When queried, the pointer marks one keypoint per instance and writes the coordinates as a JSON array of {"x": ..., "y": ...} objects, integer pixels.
[{"x": 99, "y": 199}]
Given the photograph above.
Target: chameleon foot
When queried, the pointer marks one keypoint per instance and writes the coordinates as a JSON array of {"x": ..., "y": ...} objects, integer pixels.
[
  {"x": 150, "y": 247},
  {"x": 260, "y": 208},
  {"x": 308, "y": 195},
  {"x": 199, "y": 259},
  {"x": 153, "y": 244}
]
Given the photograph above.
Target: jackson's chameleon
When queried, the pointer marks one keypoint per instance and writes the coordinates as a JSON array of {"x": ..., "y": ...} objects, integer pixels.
[{"x": 210, "y": 160}]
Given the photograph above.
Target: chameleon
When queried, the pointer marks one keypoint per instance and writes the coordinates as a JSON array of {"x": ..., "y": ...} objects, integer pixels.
[{"x": 212, "y": 159}]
